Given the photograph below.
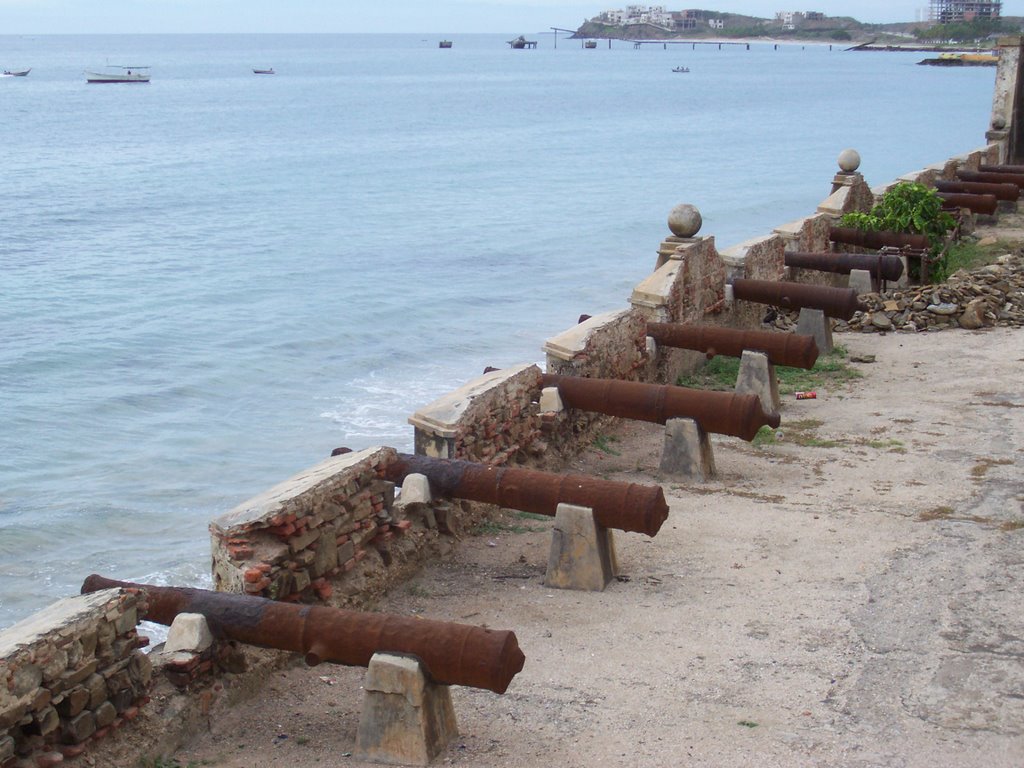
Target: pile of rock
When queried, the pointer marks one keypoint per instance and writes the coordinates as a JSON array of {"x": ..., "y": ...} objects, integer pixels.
[{"x": 987, "y": 296}]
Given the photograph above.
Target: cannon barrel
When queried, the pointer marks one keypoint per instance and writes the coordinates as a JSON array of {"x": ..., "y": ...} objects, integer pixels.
[
  {"x": 989, "y": 177},
  {"x": 722, "y": 413},
  {"x": 986, "y": 204},
  {"x": 834, "y": 302},
  {"x": 792, "y": 349},
  {"x": 623, "y": 506},
  {"x": 881, "y": 266},
  {"x": 452, "y": 654},
  {"x": 1009, "y": 192},
  {"x": 984, "y": 168},
  {"x": 877, "y": 239}
]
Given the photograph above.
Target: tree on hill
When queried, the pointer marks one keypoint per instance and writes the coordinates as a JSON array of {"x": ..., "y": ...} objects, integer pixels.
[{"x": 962, "y": 30}]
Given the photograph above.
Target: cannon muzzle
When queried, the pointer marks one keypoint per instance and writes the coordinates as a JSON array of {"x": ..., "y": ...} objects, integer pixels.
[
  {"x": 722, "y": 413},
  {"x": 452, "y": 654},
  {"x": 623, "y": 506},
  {"x": 876, "y": 240},
  {"x": 881, "y": 266},
  {"x": 834, "y": 302},
  {"x": 794, "y": 350}
]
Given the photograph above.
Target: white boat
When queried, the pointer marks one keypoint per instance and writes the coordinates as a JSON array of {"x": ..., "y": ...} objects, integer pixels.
[
  {"x": 119, "y": 75},
  {"x": 16, "y": 72}
]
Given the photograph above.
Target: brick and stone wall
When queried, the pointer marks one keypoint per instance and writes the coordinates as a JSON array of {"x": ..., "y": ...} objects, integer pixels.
[
  {"x": 68, "y": 675},
  {"x": 300, "y": 538},
  {"x": 491, "y": 419}
]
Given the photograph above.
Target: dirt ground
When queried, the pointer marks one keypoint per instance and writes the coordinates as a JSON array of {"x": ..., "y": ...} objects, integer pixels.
[{"x": 849, "y": 594}]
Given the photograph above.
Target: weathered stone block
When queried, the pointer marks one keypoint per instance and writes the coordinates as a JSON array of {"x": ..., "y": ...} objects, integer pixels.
[
  {"x": 188, "y": 632},
  {"x": 406, "y": 719},
  {"x": 105, "y": 714},
  {"x": 687, "y": 453},
  {"x": 78, "y": 729},
  {"x": 757, "y": 377},
  {"x": 582, "y": 552},
  {"x": 74, "y": 701},
  {"x": 812, "y": 322}
]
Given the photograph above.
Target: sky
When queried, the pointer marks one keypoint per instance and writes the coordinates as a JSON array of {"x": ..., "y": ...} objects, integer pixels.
[{"x": 445, "y": 16}]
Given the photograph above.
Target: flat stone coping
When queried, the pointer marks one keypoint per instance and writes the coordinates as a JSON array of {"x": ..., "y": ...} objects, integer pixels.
[
  {"x": 441, "y": 416},
  {"x": 654, "y": 290},
  {"x": 272, "y": 501},
  {"x": 54, "y": 617},
  {"x": 568, "y": 344},
  {"x": 736, "y": 256}
]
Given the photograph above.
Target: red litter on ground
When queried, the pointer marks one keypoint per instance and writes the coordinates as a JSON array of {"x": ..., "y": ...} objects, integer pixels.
[{"x": 806, "y": 395}]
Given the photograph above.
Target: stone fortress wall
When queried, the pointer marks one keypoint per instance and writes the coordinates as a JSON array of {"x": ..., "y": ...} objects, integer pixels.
[{"x": 337, "y": 533}]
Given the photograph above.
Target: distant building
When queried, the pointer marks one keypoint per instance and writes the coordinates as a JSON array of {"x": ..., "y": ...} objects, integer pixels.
[
  {"x": 952, "y": 11},
  {"x": 716, "y": 23},
  {"x": 639, "y": 14}
]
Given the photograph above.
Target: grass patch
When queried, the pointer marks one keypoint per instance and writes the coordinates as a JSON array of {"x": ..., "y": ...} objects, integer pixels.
[
  {"x": 495, "y": 527},
  {"x": 602, "y": 443},
  {"x": 765, "y": 436},
  {"x": 531, "y": 516},
  {"x": 167, "y": 762},
  {"x": 939, "y": 513},
  {"x": 979, "y": 470},
  {"x": 948, "y": 513},
  {"x": 892, "y": 446},
  {"x": 830, "y": 370},
  {"x": 968, "y": 255}
]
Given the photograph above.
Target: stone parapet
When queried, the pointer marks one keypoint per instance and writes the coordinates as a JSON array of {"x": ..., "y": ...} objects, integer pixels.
[
  {"x": 291, "y": 540},
  {"x": 608, "y": 346},
  {"x": 69, "y": 674},
  {"x": 491, "y": 419}
]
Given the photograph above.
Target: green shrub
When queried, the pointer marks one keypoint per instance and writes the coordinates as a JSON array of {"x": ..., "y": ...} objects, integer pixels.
[{"x": 910, "y": 208}]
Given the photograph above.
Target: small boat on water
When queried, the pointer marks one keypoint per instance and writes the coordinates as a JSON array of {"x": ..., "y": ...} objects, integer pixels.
[
  {"x": 119, "y": 75},
  {"x": 263, "y": 71},
  {"x": 445, "y": 44},
  {"x": 590, "y": 44},
  {"x": 680, "y": 69},
  {"x": 16, "y": 72}
]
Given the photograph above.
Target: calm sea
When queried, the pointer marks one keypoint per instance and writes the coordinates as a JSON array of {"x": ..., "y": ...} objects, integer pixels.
[{"x": 210, "y": 281}]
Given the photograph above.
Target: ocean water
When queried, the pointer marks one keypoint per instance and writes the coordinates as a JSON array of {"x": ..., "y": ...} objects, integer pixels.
[{"x": 210, "y": 281}]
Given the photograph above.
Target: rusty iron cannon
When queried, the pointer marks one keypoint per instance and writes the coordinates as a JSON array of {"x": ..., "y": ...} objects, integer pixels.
[
  {"x": 721, "y": 413},
  {"x": 1010, "y": 192},
  {"x": 881, "y": 266},
  {"x": 841, "y": 303},
  {"x": 794, "y": 350},
  {"x": 452, "y": 654},
  {"x": 622, "y": 506},
  {"x": 991, "y": 177},
  {"x": 876, "y": 240},
  {"x": 985, "y": 204},
  {"x": 987, "y": 168}
]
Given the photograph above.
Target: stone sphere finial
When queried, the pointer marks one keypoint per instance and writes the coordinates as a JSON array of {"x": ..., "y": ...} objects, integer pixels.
[
  {"x": 849, "y": 160},
  {"x": 684, "y": 220},
  {"x": 998, "y": 122}
]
